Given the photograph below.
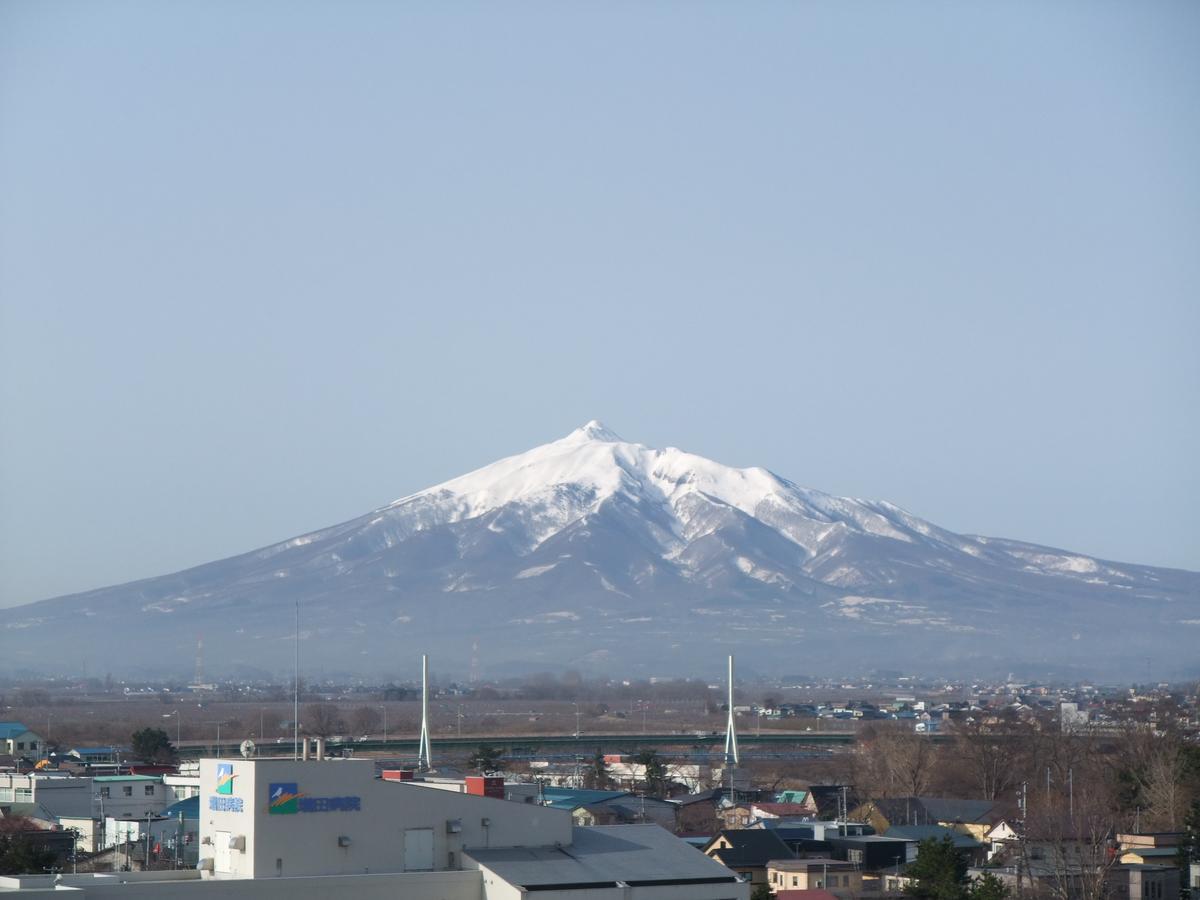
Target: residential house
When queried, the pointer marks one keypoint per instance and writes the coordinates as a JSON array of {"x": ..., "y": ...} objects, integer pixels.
[
  {"x": 812, "y": 838},
  {"x": 1122, "y": 882},
  {"x": 747, "y": 851},
  {"x": 94, "y": 755},
  {"x": 870, "y": 852},
  {"x": 840, "y": 878},
  {"x": 18, "y": 741},
  {"x": 803, "y": 798},
  {"x": 974, "y": 817},
  {"x": 760, "y": 810},
  {"x": 696, "y": 813},
  {"x": 834, "y": 801},
  {"x": 589, "y": 807}
]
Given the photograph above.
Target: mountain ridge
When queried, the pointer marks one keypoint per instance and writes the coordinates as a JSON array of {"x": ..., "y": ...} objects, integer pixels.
[{"x": 595, "y": 552}]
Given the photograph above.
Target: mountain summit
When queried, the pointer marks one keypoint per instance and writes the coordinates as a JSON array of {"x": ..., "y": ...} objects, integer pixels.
[{"x": 595, "y": 552}]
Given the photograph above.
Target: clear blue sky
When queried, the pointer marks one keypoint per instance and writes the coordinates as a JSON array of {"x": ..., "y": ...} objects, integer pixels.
[{"x": 265, "y": 266}]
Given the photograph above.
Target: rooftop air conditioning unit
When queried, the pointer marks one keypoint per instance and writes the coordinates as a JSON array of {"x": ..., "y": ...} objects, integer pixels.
[{"x": 237, "y": 842}]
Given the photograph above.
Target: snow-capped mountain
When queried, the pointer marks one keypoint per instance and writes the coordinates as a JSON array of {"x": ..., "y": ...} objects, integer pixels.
[{"x": 595, "y": 552}]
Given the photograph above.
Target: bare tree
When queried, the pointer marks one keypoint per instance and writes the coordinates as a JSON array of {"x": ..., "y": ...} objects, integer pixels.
[
  {"x": 1069, "y": 836},
  {"x": 322, "y": 720},
  {"x": 893, "y": 761},
  {"x": 993, "y": 753},
  {"x": 1155, "y": 765},
  {"x": 365, "y": 719}
]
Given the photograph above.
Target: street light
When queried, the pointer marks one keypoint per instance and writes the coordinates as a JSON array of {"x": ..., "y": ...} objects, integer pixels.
[{"x": 218, "y": 724}]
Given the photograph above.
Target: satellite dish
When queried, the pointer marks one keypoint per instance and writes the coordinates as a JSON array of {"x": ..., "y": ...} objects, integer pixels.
[{"x": 247, "y": 748}]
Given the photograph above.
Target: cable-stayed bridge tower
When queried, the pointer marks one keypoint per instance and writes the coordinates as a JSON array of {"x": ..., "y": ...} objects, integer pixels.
[
  {"x": 424, "y": 755},
  {"x": 731, "y": 747}
]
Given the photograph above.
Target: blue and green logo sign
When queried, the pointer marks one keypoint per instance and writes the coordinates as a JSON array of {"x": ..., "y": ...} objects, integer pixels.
[
  {"x": 224, "y": 778},
  {"x": 284, "y": 799},
  {"x": 224, "y": 801}
]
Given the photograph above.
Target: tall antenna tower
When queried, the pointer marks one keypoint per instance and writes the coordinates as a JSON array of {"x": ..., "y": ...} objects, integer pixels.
[
  {"x": 424, "y": 756},
  {"x": 473, "y": 677}
]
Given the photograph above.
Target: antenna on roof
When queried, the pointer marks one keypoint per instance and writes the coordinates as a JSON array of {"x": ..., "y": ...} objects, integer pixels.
[{"x": 424, "y": 757}]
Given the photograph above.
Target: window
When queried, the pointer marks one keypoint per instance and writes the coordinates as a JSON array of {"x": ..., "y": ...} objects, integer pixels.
[
  {"x": 149, "y": 790},
  {"x": 24, "y": 795},
  {"x": 6, "y": 795},
  {"x": 127, "y": 790},
  {"x": 20, "y": 745},
  {"x": 104, "y": 792},
  {"x": 854, "y": 856},
  {"x": 795, "y": 880}
]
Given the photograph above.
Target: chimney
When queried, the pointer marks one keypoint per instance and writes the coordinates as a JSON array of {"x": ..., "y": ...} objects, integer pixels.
[
  {"x": 304, "y": 751},
  {"x": 320, "y": 748}
]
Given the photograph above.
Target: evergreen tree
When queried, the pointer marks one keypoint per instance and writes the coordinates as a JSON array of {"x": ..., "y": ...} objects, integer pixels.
[
  {"x": 596, "y": 777},
  {"x": 656, "y": 771},
  {"x": 19, "y": 856},
  {"x": 152, "y": 745},
  {"x": 988, "y": 887},
  {"x": 939, "y": 872}
]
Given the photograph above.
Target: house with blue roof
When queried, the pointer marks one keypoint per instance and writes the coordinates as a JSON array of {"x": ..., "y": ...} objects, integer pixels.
[
  {"x": 590, "y": 807},
  {"x": 94, "y": 754},
  {"x": 17, "y": 740},
  {"x": 570, "y": 798}
]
